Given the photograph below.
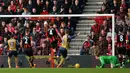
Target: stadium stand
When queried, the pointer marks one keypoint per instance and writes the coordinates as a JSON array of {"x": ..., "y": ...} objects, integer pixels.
[{"x": 37, "y": 27}]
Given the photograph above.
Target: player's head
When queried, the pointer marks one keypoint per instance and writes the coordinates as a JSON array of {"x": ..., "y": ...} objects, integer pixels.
[
  {"x": 51, "y": 25},
  {"x": 11, "y": 36},
  {"x": 67, "y": 31},
  {"x": 97, "y": 56},
  {"x": 26, "y": 32}
]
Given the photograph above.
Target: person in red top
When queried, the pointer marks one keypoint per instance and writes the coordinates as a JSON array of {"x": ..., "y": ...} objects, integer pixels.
[
  {"x": 109, "y": 50},
  {"x": 123, "y": 5},
  {"x": 44, "y": 12},
  {"x": 13, "y": 6},
  {"x": 86, "y": 46},
  {"x": 10, "y": 28},
  {"x": 20, "y": 4},
  {"x": 95, "y": 28},
  {"x": 38, "y": 27},
  {"x": 99, "y": 20}
]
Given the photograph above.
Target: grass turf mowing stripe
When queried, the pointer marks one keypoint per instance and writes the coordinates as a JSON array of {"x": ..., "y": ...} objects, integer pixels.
[{"x": 63, "y": 70}]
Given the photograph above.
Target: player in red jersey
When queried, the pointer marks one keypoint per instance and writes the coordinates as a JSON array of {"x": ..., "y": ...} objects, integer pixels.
[
  {"x": 27, "y": 47},
  {"x": 121, "y": 46},
  {"x": 53, "y": 39}
]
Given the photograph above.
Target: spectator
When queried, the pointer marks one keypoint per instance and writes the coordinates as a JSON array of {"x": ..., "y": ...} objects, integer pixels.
[
  {"x": 62, "y": 31},
  {"x": 95, "y": 28},
  {"x": 29, "y": 5},
  {"x": 45, "y": 11},
  {"x": 38, "y": 27},
  {"x": 38, "y": 7},
  {"x": 9, "y": 11},
  {"x": 103, "y": 45},
  {"x": 104, "y": 26},
  {"x": 48, "y": 6},
  {"x": 76, "y": 7},
  {"x": 55, "y": 3},
  {"x": 33, "y": 35},
  {"x": 54, "y": 10},
  {"x": 2, "y": 27},
  {"x": 10, "y": 28},
  {"x": 46, "y": 27},
  {"x": 94, "y": 50},
  {"x": 103, "y": 33},
  {"x": 20, "y": 4},
  {"x": 1, "y": 11},
  {"x": 66, "y": 7},
  {"x": 6, "y": 33},
  {"x": 63, "y": 25},
  {"x": 34, "y": 12},
  {"x": 18, "y": 11},
  {"x": 13, "y": 6},
  {"x": 122, "y": 14},
  {"x": 16, "y": 35},
  {"x": 124, "y": 5},
  {"x": 115, "y": 6},
  {"x": 109, "y": 50},
  {"x": 26, "y": 12},
  {"x": 2, "y": 3},
  {"x": 86, "y": 46}
]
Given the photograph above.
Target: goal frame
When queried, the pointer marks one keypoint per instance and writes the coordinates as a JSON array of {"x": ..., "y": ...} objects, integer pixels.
[{"x": 75, "y": 15}]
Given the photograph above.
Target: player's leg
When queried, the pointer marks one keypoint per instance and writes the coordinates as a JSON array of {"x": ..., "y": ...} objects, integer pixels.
[
  {"x": 63, "y": 52},
  {"x": 114, "y": 62},
  {"x": 9, "y": 58},
  {"x": 28, "y": 53},
  {"x": 16, "y": 58},
  {"x": 31, "y": 58},
  {"x": 123, "y": 56},
  {"x": 120, "y": 55}
]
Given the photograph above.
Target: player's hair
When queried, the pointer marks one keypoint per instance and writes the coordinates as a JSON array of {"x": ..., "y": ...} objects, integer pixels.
[
  {"x": 51, "y": 24},
  {"x": 11, "y": 36},
  {"x": 67, "y": 31}
]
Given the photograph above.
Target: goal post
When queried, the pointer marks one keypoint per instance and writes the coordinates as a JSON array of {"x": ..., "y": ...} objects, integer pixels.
[
  {"x": 74, "y": 15},
  {"x": 71, "y": 15}
]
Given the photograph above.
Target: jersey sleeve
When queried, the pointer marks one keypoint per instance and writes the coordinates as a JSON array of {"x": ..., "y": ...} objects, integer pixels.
[{"x": 71, "y": 37}]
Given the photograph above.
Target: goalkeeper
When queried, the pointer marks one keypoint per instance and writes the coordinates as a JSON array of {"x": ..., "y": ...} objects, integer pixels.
[{"x": 113, "y": 60}]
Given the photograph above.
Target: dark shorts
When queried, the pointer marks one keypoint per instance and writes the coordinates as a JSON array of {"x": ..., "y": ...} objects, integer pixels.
[
  {"x": 12, "y": 53},
  {"x": 63, "y": 52},
  {"x": 128, "y": 52},
  {"x": 28, "y": 51},
  {"x": 121, "y": 50}
]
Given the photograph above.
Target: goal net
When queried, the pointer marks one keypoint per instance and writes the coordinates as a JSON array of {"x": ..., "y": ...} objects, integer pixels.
[{"x": 95, "y": 29}]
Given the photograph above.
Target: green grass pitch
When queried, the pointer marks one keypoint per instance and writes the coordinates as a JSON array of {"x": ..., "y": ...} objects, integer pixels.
[{"x": 63, "y": 70}]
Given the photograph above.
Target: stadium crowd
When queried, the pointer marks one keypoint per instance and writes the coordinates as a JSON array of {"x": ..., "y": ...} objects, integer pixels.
[
  {"x": 102, "y": 30},
  {"x": 39, "y": 29}
]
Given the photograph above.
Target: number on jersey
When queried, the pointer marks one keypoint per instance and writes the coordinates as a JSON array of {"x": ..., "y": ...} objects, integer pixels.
[{"x": 121, "y": 38}]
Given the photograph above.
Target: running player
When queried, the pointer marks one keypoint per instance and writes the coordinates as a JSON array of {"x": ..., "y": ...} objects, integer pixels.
[
  {"x": 27, "y": 47},
  {"x": 53, "y": 39},
  {"x": 12, "y": 45},
  {"x": 121, "y": 46},
  {"x": 113, "y": 60},
  {"x": 64, "y": 47}
]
